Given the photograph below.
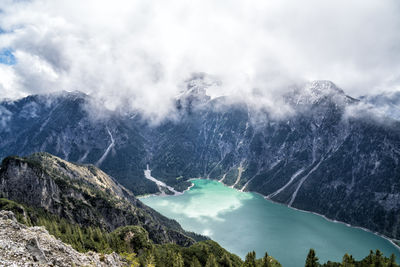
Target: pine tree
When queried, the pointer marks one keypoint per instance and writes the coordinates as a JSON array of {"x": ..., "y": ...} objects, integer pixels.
[
  {"x": 178, "y": 260},
  {"x": 131, "y": 259},
  {"x": 63, "y": 226},
  {"x": 250, "y": 259},
  {"x": 211, "y": 261},
  {"x": 225, "y": 261},
  {"x": 195, "y": 262},
  {"x": 348, "y": 260},
  {"x": 370, "y": 258},
  {"x": 378, "y": 258},
  {"x": 265, "y": 261},
  {"x": 150, "y": 261},
  {"x": 169, "y": 257},
  {"x": 392, "y": 262},
  {"x": 205, "y": 251},
  {"x": 312, "y": 259}
]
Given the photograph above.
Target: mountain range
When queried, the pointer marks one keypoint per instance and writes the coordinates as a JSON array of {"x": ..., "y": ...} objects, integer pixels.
[{"x": 329, "y": 155}]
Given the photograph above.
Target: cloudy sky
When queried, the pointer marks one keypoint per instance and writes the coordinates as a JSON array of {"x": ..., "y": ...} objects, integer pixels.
[{"x": 141, "y": 51}]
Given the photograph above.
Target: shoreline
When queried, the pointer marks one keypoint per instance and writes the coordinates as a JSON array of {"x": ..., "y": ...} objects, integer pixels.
[
  {"x": 160, "y": 194},
  {"x": 392, "y": 241}
]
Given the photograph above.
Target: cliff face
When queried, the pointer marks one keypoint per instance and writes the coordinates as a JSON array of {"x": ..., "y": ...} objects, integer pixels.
[
  {"x": 82, "y": 194},
  {"x": 318, "y": 158}
]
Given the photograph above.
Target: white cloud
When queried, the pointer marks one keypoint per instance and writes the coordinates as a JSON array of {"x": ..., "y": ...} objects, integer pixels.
[
  {"x": 137, "y": 53},
  {"x": 382, "y": 108}
]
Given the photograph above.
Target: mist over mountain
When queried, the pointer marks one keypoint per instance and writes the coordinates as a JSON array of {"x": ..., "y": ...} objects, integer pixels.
[
  {"x": 138, "y": 54},
  {"x": 320, "y": 156},
  {"x": 387, "y": 104}
]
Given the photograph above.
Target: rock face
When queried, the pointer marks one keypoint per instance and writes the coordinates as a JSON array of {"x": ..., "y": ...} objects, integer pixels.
[
  {"x": 33, "y": 246},
  {"x": 82, "y": 194},
  {"x": 324, "y": 156}
]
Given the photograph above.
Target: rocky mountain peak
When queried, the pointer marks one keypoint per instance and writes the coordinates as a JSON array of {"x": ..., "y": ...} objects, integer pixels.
[
  {"x": 79, "y": 172},
  {"x": 195, "y": 91},
  {"x": 323, "y": 87},
  {"x": 319, "y": 93}
]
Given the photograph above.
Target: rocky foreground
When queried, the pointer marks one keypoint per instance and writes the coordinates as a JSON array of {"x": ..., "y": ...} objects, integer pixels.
[{"x": 34, "y": 246}]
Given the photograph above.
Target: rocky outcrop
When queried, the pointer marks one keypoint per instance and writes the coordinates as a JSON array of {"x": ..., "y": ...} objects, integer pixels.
[
  {"x": 83, "y": 195},
  {"x": 33, "y": 246}
]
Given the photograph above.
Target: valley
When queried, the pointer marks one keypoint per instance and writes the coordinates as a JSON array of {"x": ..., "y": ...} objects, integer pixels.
[
  {"x": 319, "y": 159},
  {"x": 199, "y": 133}
]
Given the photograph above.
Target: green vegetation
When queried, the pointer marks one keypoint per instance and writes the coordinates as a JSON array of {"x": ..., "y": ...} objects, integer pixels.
[
  {"x": 90, "y": 198},
  {"x": 134, "y": 245},
  {"x": 131, "y": 242},
  {"x": 374, "y": 259},
  {"x": 312, "y": 260},
  {"x": 18, "y": 210},
  {"x": 80, "y": 238}
]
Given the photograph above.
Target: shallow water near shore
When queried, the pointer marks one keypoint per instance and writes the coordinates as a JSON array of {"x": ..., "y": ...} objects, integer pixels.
[{"x": 243, "y": 221}]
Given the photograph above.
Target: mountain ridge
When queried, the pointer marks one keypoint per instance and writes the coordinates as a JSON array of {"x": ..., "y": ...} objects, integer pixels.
[
  {"x": 349, "y": 163},
  {"x": 83, "y": 195}
]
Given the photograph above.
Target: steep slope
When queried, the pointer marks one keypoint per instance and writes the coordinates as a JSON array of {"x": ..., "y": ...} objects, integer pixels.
[
  {"x": 84, "y": 195},
  {"x": 320, "y": 159},
  {"x": 61, "y": 125},
  {"x": 323, "y": 156}
]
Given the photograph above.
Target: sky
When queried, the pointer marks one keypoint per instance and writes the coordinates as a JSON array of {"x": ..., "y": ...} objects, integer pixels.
[{"x": 139, "y": 53}]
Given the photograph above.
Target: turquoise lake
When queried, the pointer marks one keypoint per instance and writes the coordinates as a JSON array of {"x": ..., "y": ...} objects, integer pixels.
[{"x": 242, "y": 222}]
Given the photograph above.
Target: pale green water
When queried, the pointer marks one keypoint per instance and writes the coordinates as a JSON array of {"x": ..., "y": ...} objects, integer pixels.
[{"x": 241, "y": 222}]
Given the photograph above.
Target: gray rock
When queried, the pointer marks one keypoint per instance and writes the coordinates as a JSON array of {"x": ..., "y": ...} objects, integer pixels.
[
  {"x": 29, "y": 247},
  {"x": 5, "y": 214},
  {"x": 35, "y": 250}
]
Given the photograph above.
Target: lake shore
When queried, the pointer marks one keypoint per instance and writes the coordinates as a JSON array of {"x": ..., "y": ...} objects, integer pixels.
[
  {"x": 323, "y": 216},
  {"x": 335, "y": 221},
  {"x": 243, "y": 221},
  {"x": 160, "y": 194},
  {"x": 392, "y": 241}
]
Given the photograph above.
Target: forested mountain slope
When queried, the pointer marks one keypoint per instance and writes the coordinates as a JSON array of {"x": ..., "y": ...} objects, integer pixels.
[{"x": 83, "y": 195}]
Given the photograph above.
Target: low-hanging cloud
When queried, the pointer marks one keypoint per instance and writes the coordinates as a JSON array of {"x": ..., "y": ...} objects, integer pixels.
[{"x": 138, "y": 53}]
